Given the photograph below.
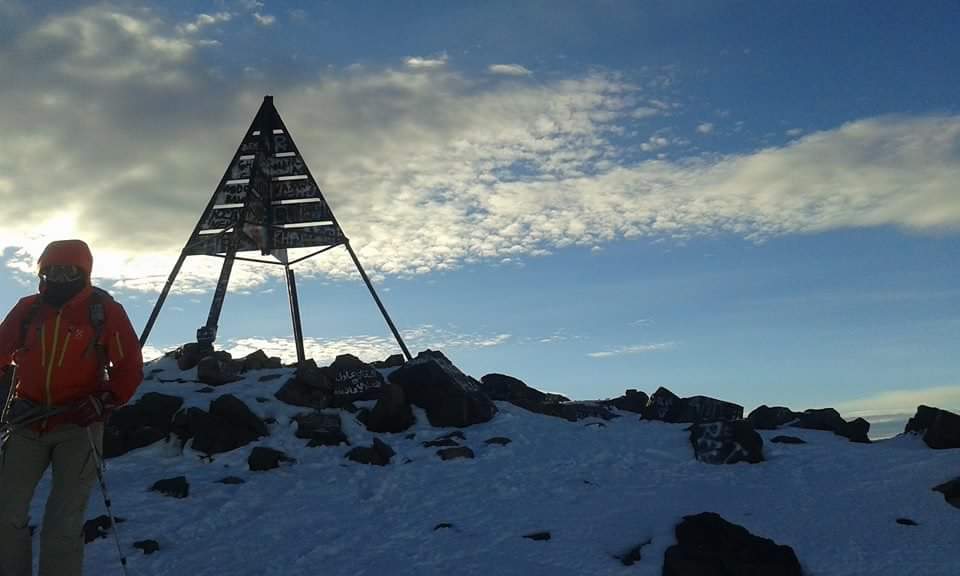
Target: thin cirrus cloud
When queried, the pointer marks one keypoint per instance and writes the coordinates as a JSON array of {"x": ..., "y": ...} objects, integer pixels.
[
  {"x": 426, "y": 172},
  {"x": 508, "y": 70},
  {"x": 202, "y": 21},
  {"x": 633, "y": 350}
]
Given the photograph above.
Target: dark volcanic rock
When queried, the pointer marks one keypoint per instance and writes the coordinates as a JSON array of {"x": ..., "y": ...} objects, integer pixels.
[
  {"x": 631, "y": 401},
  {"x": 392, "y": 412},
  {"x": 233, "y": 410},
  {"x": 538, "y": 536},
  {"x": 856, "y": 430},
  {"x": 440, "y": 443},
  {"x": 950, "y": 491},
  {"x": 787, "y": 440},
  {"x": 821, "y": 419},
  {"x": 140, "y": 424},
  {"x": 940, "y": 428},
  {"x": 95, "y": 528},
  {"x": 509, "y": 389},
  {"x": 906, "y": 522},
  {"x": 767, "y": 418},
  {"x": 176, "y": 487},
  {"x": 309, "y": 387},
  {"x": 259, "y": 361},
  {"x": 228, "y": 425},
  {"x": 148, "y": 546},
  {"x": 218, "y": 369},
  {"x": 354, "y": 379},
  {"x": 231, "y": 480},
  {"x": 660, "y": 405},
  {"x": 708, "y": 545},
  {"x": 455, "y": 453},
  {"x": 392, "y": 361},
  {"x": 633, "y": 555},
  {"x": 828, "y": 419},
  {"x": 498, "y": 440},
  {"x": 321, "y": 429},
  {"x": 262, "y": 458},
  {"x": 449, "y": 397},
  {"x": 379, "y": 454},
  {"x": 189, "y": 355},
  {"x": 442, "y": 525},
  {"x": 704, "y": 409},
  {"x": 726, "y": 442}
]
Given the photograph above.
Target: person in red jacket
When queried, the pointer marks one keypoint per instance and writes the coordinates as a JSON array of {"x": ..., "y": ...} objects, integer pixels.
[{"x": 61, "y": 364}]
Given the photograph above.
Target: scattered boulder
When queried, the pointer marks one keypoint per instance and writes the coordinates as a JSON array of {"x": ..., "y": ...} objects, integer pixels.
[
  {"x": 259, "y": 361},
  {"x": 538, "y": 536},
  {"x": 262, "y": 459},
  {"x": 96, "y": 528},
  {"x": 660, "y": 404},
  {"x": 309, "y": 387},
  {"x": 354, "y": 379},
  {"x": 455, "y": 453},
  {"x": 940, "y": 428},
  {"x": 509, "y": 389},
  {"x": 379, "y": 454},
  {"x": 231, "y": 480},
  {"x": 906, "y": 522},
  {"x": 207, "y": 390},
  {"x": 705, "y": 409},
  {"x": 269, "y": 377},
  {"x": 440, "y": 443},
  {"x": 828, "y": 419},
  {"x": 392, "y": 412},
  {"x": 442, "y": 525},
  {"x": 321, "y": 429},
  {"x": 176, "y": 487},
  {"x": 633, "y": 555},
  {"x": 787, "y": 440},
  {"x": 726, "y": 442},
  {"x": 148, "y": 546},
  {"x": 449, "y": 397},
  {"x": 218, "y": 369},
  {"x": 706, "y": 542},
  {"x": 392, "y": 361},
  {"x": 498, "y": 441},
  {"x": 950, "y": 491},
  {"x": 631, "y": 401},
  {"x": 189, "y": 355},
  {"x": 771, "y": 418},
  {"x": 140, "y": 424},
  {"x": 228, "y": 426}
]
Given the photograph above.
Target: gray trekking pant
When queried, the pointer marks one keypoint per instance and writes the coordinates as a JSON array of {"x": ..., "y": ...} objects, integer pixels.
[{"x": 26, "y": 456}]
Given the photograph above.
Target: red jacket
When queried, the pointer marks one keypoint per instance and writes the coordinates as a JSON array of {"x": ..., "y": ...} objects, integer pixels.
[{"x": 57, "y": 364}]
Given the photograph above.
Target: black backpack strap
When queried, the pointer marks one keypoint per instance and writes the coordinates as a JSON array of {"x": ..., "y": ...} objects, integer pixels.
[{"x": 98, "y": 317}]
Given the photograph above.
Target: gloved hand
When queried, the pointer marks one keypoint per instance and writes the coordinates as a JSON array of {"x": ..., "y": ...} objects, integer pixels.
[{"x": 95, "y": 408}]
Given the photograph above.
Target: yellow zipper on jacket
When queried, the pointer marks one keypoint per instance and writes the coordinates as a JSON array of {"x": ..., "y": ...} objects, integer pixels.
[
  {"x": 66, "y": 342},
  {"x": 53, "y": 354}
]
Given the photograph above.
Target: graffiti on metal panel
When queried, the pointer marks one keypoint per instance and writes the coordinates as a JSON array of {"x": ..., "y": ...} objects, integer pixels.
[
  {"x": 286, "y": 166},
  {"x": 295, "y": 190},
  {"x": 241, "y": 169},
  {"x": 232, "y": 194},
  {"x": 298, "y": 213},
  {"x": 219, "y": 219}
]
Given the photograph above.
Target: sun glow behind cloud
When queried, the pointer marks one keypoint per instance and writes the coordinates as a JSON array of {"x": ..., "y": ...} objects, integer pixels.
[{"x": 427, "y": 171}]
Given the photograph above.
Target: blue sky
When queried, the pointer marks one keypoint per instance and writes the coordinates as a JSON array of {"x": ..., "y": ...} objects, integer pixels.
[{"x": 750, "y": 200}]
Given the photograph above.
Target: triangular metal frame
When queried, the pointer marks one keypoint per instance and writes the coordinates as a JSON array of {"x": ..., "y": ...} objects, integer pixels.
[{"x": 267, "y": 200}]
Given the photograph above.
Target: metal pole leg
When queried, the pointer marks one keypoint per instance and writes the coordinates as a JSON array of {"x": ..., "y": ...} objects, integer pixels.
[{"x": 366, "y": 280}]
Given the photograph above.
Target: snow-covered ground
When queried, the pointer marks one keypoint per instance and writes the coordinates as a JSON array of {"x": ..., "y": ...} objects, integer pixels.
[{"x": 599, "y": 490}]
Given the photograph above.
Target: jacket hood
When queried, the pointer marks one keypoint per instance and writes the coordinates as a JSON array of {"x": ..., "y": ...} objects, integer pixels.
[{"x": 69, "y": 253}]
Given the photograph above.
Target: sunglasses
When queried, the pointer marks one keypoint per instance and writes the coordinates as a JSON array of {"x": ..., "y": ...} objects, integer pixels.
[{"x": 61, "y": 273}]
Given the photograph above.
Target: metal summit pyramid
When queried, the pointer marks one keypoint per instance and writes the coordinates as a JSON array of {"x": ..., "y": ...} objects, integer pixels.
[{"x": 266, "y": 201}]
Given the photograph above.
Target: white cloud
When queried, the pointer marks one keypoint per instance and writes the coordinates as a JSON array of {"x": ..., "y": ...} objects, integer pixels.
[
  {"x": 794, "y": 132},
  {"x": 418, "y": 63},
  {"x": 645, "y": 112},
  {"x": 508, "y": 70},
  {"x": 367, "y": 348},
  {"x": 427, "y": 172},
  {"x": 202, "y": 21},
  {"x": 705, "y": 128},
  {"x": 264, "y": 19},
  {"x": 634, "y": 349},
  {"x": 900, "y": 404}
]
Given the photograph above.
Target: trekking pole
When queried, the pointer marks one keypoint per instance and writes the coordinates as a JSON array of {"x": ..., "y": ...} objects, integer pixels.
[
  {"x": 98, "y": 461},
  {"x": 11, "y": 392}
]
